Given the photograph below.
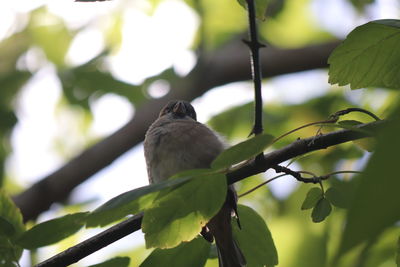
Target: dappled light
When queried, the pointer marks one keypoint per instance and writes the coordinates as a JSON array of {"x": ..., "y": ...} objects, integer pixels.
[{"x": 82, "y": 81}]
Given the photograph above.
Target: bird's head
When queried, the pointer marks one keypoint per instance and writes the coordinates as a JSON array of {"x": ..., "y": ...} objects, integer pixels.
[{"x": 179, "y": 109}]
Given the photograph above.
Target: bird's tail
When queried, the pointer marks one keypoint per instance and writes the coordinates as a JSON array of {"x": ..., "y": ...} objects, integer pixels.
[{"x": 229, "y": 253}]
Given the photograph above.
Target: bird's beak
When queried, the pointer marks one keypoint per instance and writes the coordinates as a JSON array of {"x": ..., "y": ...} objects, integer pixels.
[{"x": 179, "y": 109}]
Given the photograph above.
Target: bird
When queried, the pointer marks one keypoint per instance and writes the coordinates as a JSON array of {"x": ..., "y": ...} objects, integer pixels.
[{"x": 175, "y": 142}]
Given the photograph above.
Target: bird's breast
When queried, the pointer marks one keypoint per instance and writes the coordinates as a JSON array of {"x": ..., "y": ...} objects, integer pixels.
[{"x": 179, "y": 146}]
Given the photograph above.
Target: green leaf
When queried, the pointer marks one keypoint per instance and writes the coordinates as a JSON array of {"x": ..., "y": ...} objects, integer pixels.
[
  {"x": 367, "y": 144},
  {"x": 398, "y": 253},
  {"x": 260, "y": 6},
  {"x": 52, "y": 231},
  {"x": 347, "y": 126},
  {"x": 11, "y": 49},
  {"x": 347, "y": 189},
  {"x": 193, "y": 254},
  {"x": 130, "y": 202},
  {"x": 213, "y": 254},
  {"x": 192, "y": 173},
  {"x": 11, "y": 226},
  {"x": 376, "y": 200},
  {"x": 321, "y": 210},
  {"x": 114, "y": 262},
  {"x": 10, "y": 85},
  {"x": 254, "y": 238},
  {"x": 81, "y": 83},
  {"x": 364, "y": 143},
  {"x": 6, "y": 228},
  {"x": 179, "y": 214},
  {"x": 369, "y": 57},
  {"x": 233, "y": 122},
  {"x": 242, "y": 151},
  {"x": 337, "y": 197},
  {"x": 349, "y": 123},
  {"x": 216, "y": 31},
  {"x": 54, "y": 38},
  {"x": 86, "y": 81},
  {"x": 360, "y": 4},
  {"x": 312, "y": 198},
  {"x": 10, "y": 214}
]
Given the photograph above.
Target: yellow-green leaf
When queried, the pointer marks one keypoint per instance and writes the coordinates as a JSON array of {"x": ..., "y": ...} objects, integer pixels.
[
  {"x": 179, "y": 214},
  {"x": 130, "y": 202},
  {"x": 242, "y": 151},
  {"x": 52, "y": 231},
  {"x": 12, "y": 226},
  {"x": 398, "y": 253},
  {"x": 260, "y": 6},
  {"x": 193, "y": 254}
]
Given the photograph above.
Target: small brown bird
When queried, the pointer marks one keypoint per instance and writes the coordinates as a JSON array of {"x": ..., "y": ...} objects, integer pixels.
[{"x": 176, "y": 142}]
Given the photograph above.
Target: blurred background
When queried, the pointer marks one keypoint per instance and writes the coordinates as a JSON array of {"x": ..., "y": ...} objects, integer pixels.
[{"x": 73, "y": 74}]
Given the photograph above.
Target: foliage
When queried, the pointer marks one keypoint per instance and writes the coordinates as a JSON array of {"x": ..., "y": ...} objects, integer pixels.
[
  {"x": 378, "y": 180},
  {"x": 11, "y": 226},
  {"x": 398, "y": 253},
  {"x": 368, "y": 57},
  {"x": 114, "y": 262},
  {"x": 321, "y": 210},
  {"x": 356, "y": 214},
  {"x": 193, "y": 253},
  {"x": 260, "y": 6},
  {"x": 166, "y": 226},
  {"x": 130, "y": 202},
  {"x": 313, "y": 196},
  {"x": 255, "y": 238},
  {"x": 242, "y": 151},
  {"x": 55, "y": 230}
]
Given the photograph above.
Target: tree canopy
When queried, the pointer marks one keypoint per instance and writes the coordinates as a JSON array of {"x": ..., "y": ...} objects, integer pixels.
[{"x": 317, "y": 176}]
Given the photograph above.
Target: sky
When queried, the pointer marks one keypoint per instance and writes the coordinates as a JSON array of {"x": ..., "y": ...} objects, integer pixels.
[{"x": 41, "y": 122}]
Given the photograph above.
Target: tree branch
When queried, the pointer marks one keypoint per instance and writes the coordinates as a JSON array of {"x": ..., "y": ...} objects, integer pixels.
[
  {"x": 229, "y": 64},
  {"x": 303, "y": 146},
  {"x": 297, "y": 148},
  {"x": 95, "y": 243}
]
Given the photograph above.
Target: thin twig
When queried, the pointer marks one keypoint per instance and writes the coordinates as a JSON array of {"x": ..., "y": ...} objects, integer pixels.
[
  {"x": 258, "y": 186},
  {"x": 281, "y": 175},
  {"x": 255, "y": 46},
  {"x": 349, "y": 110},
  {"x": 302, "y": 127},
  {"x": 297, "y": 174},
  {"x": 332, "y": 119},
  {"x": 314, "y": 179}
]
